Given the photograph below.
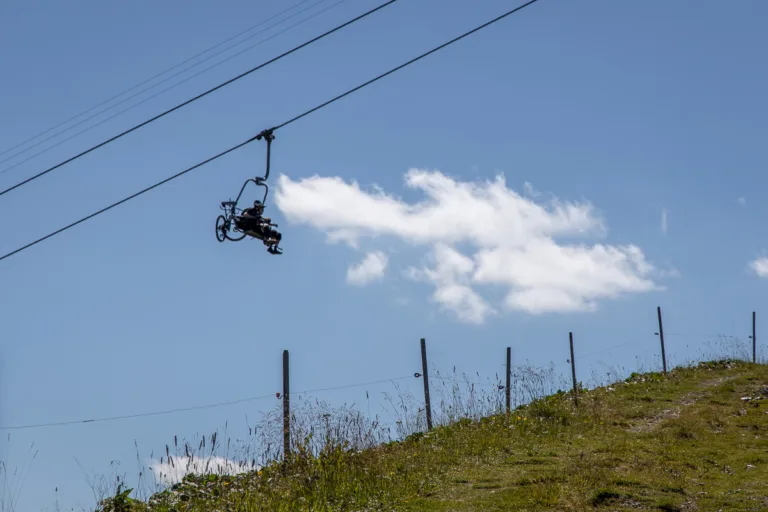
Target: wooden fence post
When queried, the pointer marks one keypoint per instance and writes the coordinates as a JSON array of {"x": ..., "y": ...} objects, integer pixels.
[
  {"x": 754, "y": 339},
  {"x": 573, "y": 371},
  {"x": 509, "y": 377},
  {"x": 661, "y": 337},
  {"x": 425, "y": 375},
  {"x": 286, "y": 409}
]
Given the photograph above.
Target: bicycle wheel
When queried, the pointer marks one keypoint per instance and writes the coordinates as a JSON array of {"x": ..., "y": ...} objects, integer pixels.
[
  {"x": 221, "y": 228},
  {"x": 229, "y": 237}
]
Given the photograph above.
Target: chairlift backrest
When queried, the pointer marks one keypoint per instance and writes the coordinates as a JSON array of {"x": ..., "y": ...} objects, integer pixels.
[{"x": 258, "y": 182}]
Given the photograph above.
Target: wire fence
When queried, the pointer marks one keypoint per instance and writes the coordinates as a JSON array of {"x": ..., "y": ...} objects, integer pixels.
[
  {"x": 730, "y": 346},
  {"x": 301, "y": 420}
]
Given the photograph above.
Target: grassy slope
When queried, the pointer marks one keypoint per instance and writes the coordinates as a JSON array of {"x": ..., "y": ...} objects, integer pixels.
[{"x": 686, "y": 441}]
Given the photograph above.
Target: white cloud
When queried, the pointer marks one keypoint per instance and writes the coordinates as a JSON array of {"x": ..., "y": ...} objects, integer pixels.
[
  {"x": 670, "y": 271},
  {"x": 760, "y": 266},
  {"x": 741, "y": 201},
  {"x": 370, "y": 269},
  {"x": 664, "y": 220},
  {"x": 451, "y": 277},
  {"x": 529, "y": 190},
  {"x": 170, "y": 473},
  {"x": 479, "y": 233}
]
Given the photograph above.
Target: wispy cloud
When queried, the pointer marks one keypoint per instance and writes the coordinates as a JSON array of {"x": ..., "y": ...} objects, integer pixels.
[
  {"x": 664, "y": 225},
  {"x": 451, "y": 276},
  {"x": 741, "y": 201},
  {"x": 370, "y": 269},
  {"x": 530, "y": 191},
  {"x": 760, "y": 267}
]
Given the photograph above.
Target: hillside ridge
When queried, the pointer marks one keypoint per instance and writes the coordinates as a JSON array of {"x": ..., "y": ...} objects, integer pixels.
[{"x": 694, "y": 439}]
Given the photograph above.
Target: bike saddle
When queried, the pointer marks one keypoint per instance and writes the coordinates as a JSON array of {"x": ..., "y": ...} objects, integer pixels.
[{"x": 227, "y": 203}]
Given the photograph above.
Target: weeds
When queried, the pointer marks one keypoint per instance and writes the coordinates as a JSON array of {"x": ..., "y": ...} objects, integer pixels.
[
  {"x": 13, "y": 480},
  {"x": 637, "y": 442}
]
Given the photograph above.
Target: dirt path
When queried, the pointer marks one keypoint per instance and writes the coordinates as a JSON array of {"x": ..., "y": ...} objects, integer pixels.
[{"x": 690, "y": 398}]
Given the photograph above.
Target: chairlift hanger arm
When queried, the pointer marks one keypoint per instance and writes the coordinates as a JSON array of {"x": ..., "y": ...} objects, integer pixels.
[{"x": 269, "y": 136}]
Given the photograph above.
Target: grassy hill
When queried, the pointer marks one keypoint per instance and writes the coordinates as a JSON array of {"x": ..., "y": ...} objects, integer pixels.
[{"x": 695, "y": 439}]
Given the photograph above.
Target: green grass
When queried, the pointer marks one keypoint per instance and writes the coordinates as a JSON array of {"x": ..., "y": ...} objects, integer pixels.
[{"x": 681, "y": 442}]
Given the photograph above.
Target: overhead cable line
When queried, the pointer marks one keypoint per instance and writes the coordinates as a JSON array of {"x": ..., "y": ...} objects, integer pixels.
[
  {"x": 499, "y": 18},
  {"x": 133, "y": 196},
  {"x": 199, "y": 96},
  {"x": 398, "y": 68},
  {"x": 166, "y": 79},
  {"x": 191, "y": 408},
  {"x": 155, "y": 76}
]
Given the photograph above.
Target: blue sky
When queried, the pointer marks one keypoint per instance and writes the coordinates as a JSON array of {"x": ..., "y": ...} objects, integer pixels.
[{"x": 619, "y": 110}]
